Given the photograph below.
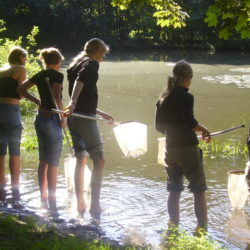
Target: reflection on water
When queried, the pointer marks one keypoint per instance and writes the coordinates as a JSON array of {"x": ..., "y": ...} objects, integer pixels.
[
  {"x": 241, "y": 81},
  {"x": 237, "y": 227},
  {"x": 134, "y": 197}
]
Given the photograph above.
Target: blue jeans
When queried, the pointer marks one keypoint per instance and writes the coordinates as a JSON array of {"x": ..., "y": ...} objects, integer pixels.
[
  {"x": 86, "y": 138},
  {"x": 49, "y": 134},
  {"x": 10, "y": 129}
]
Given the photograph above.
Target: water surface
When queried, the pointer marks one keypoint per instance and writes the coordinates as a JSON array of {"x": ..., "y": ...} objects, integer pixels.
[{"x": 134, "y": 193}]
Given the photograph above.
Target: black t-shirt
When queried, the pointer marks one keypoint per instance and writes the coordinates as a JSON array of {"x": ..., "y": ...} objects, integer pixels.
[
  {"x": 8, "y": 86},
  {"x": 179, "y": 118},
  {"x": 42, "y": 86},
  {"x": 86, "y": 71}
]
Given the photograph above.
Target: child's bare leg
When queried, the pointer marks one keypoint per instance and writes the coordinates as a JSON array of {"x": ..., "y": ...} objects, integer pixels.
[
  {"x": 174, "y": 207},
  {"x": 14, "y": 163},
  {"x": 96, "y": 181},
  {"x": 42, "y": 179},
  {"x": 79, "y": 183},
  {"x": 200, "y": 207},
  {"x": 51, "y": 177}
]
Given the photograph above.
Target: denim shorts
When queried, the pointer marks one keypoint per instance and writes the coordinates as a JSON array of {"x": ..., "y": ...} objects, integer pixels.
[
  {"x": 49, "y": 134},
  {"x": 86, "y": 138},
  {"x": 10, "y": 129},
  {"x": 185, "y": 161}
]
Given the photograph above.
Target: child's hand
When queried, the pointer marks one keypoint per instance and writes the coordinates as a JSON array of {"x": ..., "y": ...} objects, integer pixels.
[
  {"x": 206, "y": 136},
  {"x": 68, "y": 110}
]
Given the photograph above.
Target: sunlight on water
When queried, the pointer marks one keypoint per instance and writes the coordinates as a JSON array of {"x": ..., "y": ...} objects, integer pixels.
[
  {"x": 241, "y": 81},
  {"x": 245, "y": 70}
]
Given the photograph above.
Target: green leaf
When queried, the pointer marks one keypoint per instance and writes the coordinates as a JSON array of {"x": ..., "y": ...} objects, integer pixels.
[
  {"x": 225, "y": 33},
  {"x": 227, "y": 15},
  {"x": 211, "y": 19}
]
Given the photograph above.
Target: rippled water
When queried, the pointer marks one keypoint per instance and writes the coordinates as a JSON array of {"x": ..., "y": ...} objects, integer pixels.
[{"x": 134, "y": 193}]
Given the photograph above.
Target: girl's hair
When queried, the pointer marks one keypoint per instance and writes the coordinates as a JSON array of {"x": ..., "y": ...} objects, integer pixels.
[
  {"x": 15, "y": 54},
  {"x": 50, "y": 56},
  {"x": 181, "y": 71},
  {"x": 90, "y": 48}
]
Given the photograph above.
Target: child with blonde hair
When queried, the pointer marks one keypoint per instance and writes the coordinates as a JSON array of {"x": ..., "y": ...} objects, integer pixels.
[
  {"x": 83, "y": 76},
  {"x": 48, "y": 125}
]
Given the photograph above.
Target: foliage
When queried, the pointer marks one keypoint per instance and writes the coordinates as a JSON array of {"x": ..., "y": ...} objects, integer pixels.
[
  {"x": 167, "y": 12},
  {"x": 126, "y": 24},
  {"x": 231, "y": 16},
  {"x": 29, "y": 142},
  {"x": 32, "y": 65},
  {"x": 228, "y": 149},
  {"x": 181, "y": 240}
]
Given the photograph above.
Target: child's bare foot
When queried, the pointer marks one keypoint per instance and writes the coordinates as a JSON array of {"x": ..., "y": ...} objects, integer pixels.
[
  {"x": 200, "y": 230},
  {"x": 52, "y": 204},
  {"x": 81, "y": 206},
  {"x": 44, "y": 204},
  {"x": 95, "y": 211}
]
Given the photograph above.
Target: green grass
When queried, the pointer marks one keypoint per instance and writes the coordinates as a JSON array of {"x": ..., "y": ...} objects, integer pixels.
[
  {"x": 27, "y": 234},
  {"x": 17, "y": 234},
  {"x": 181, "y": 240},
  {"x": 226, "y": 149}
]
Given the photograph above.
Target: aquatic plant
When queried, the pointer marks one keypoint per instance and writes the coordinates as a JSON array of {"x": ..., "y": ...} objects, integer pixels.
[
  {"x": 177, "y": 239},
  {"x": 226, "y": 149}
]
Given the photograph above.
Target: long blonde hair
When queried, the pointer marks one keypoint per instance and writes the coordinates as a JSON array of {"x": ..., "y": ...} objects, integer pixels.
[
  {"x": 181, "y": 71},
  {"x": 90, "y": 48}
]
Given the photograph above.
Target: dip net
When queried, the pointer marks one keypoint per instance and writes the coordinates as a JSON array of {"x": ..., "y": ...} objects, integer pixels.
[{"x": 237, "y": 188}]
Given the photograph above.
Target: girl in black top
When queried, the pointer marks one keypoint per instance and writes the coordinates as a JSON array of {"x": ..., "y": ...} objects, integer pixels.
[
  {"x": 83, "y": 76},
  {"x": 10, "y": 116},
  {"x": 183, "y": 157},
  {"x": 48, "y": 126}
]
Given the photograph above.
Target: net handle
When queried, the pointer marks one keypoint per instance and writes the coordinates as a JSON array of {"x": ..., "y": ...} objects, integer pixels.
[
  {"x": 96, "y": 118},
  {"x": 224, "y": 131}
]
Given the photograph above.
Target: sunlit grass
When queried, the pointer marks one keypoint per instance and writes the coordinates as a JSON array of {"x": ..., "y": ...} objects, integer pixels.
[
  {"x": 178, "y": 239},
  {"x": 27, "y": 233},
  {"x": 226, "y": 149}
]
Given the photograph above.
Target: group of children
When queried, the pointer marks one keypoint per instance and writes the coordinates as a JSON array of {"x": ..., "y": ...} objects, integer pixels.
[
  {"x": 174, "y": 117},
  {"x": 82, "y": 77}
]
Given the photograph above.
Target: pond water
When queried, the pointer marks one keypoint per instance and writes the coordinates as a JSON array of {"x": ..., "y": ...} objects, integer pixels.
[{"x": 134, "y": 196}]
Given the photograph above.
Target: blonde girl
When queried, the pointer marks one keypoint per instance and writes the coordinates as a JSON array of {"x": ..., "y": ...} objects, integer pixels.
[
  {"x": 10, "y": 117},
  {"x": 83, "y": 76},
  {"x": 48, "y": 125}
]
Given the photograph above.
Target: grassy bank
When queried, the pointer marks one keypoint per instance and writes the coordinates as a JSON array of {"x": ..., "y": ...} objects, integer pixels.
[{"x": 27, "y": 234}]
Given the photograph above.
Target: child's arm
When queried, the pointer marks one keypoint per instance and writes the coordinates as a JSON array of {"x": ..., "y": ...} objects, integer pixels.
[{"x": 204, "y": 132}]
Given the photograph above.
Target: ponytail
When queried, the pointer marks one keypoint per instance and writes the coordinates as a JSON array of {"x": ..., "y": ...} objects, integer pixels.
[{"x": 181, "y": 71}]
